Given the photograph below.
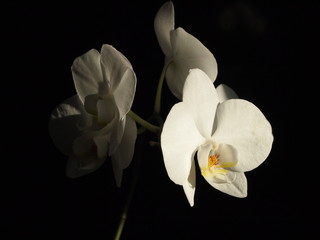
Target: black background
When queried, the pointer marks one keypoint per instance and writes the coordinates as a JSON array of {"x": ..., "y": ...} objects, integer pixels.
[{"x": 265, "y": 52}]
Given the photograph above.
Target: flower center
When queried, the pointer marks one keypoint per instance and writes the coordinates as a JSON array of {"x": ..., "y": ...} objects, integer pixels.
[
  {"x": 213, "y": 167},
  {"x": 213, "y": 160},
  {"x": 216, "y": 161}
]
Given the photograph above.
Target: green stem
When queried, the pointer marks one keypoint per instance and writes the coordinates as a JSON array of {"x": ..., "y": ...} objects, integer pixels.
[
  {"x": 157, "y": 102},
  {"x": 133, "y": 184},
  {"x": 144, "y": 123},
  {"x": 121, "y": 224},
  {"x": 141, "y": 130},
  {"x": 126, "y": 207}
]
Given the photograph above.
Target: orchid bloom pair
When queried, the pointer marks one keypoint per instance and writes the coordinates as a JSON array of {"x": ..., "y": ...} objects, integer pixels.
[{"x": 229, "y": 135}]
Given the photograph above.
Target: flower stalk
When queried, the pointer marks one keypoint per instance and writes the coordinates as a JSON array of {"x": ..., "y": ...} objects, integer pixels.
[
  {"x": 152, "y": 128},
  {"x": 126, "y": 207},
  {"x": 157, "y": 102},
  {"x": 143, "y": 123},
  {"x": 133, "y": 184}
]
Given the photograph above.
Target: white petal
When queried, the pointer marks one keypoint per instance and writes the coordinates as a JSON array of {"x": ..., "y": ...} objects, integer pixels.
[
  {"x": 116, "y": 134},
  {"x": 124, "y": 93},
  {"x": 63, "y": 123},
  {"x": 87, "y": 74},
  {"x": 117, "y": 171},
  {"x": 189, "y": 187},
  {"x": 85, "y": 145},
  {"x": 227, "y": 156},
  {"x": 124, "y": 153},
  {"x": 107, "y": 137},
  {"x": 93, "y": 143},
  {"x": 102, "y": 145},
  {"x": 242, "y": 125},
  {"x": 113, "y": 130},
  {"x": 188, "y": 53},
  {"x": 87, "y": 156},
  {"x": 79, "y": 166},
  {"x": 237, "y": 188},
  {"x": 106, "y": 110},
  {"x": 114, "y": 65},
  {"x": 225, "y": 93},
  {"x": 202, "y": 100},
  {"x": 163, "y": 24},
  {"x": 180, "y": 139}
]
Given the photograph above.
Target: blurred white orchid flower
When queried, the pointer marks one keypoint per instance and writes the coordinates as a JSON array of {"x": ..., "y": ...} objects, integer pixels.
[
  {"x": 94, "y": 124},
  {"x": 182, "y": 50}
]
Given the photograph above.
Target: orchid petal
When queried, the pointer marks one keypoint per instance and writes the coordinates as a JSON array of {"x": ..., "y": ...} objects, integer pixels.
[
  {"x": 87, "y": 155},
  {"x": 225, "y": 93},
  {"x": 242, "y": 125},
  {"x": 189, "y": 187},
  {"x": 102, "y": 145},
  {"x": 227, "y": 156},
  {"x": 163, "y": 24},
  {"x": 103, "y": 138},
  {"x": 180, "y": 139},
  {"x": 92, "y": 143},
  {"x": 124, "y": 93},
  {"x": 202, "y": 100},
  {"x": 114, "y": 65},
  {"x": 236, "y": 187},
  {"x": 124, "y": 153},
  {"x": 188, "y": 53},
  {"x": 63, "y": 123},
  {"x": 117, "y": 170},
  {"x": 116, "y": 134},
  {"x": 87, "y": 74},
  {"x": 85, "y": 145},
  {"x": 79, "y": 166}
]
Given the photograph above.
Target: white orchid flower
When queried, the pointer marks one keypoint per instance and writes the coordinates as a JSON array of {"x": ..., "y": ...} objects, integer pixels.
[
  {"x": 229, "y": 136},
  {"x": 182, "y": 50},
  {"x": 94, "y": 124}
]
